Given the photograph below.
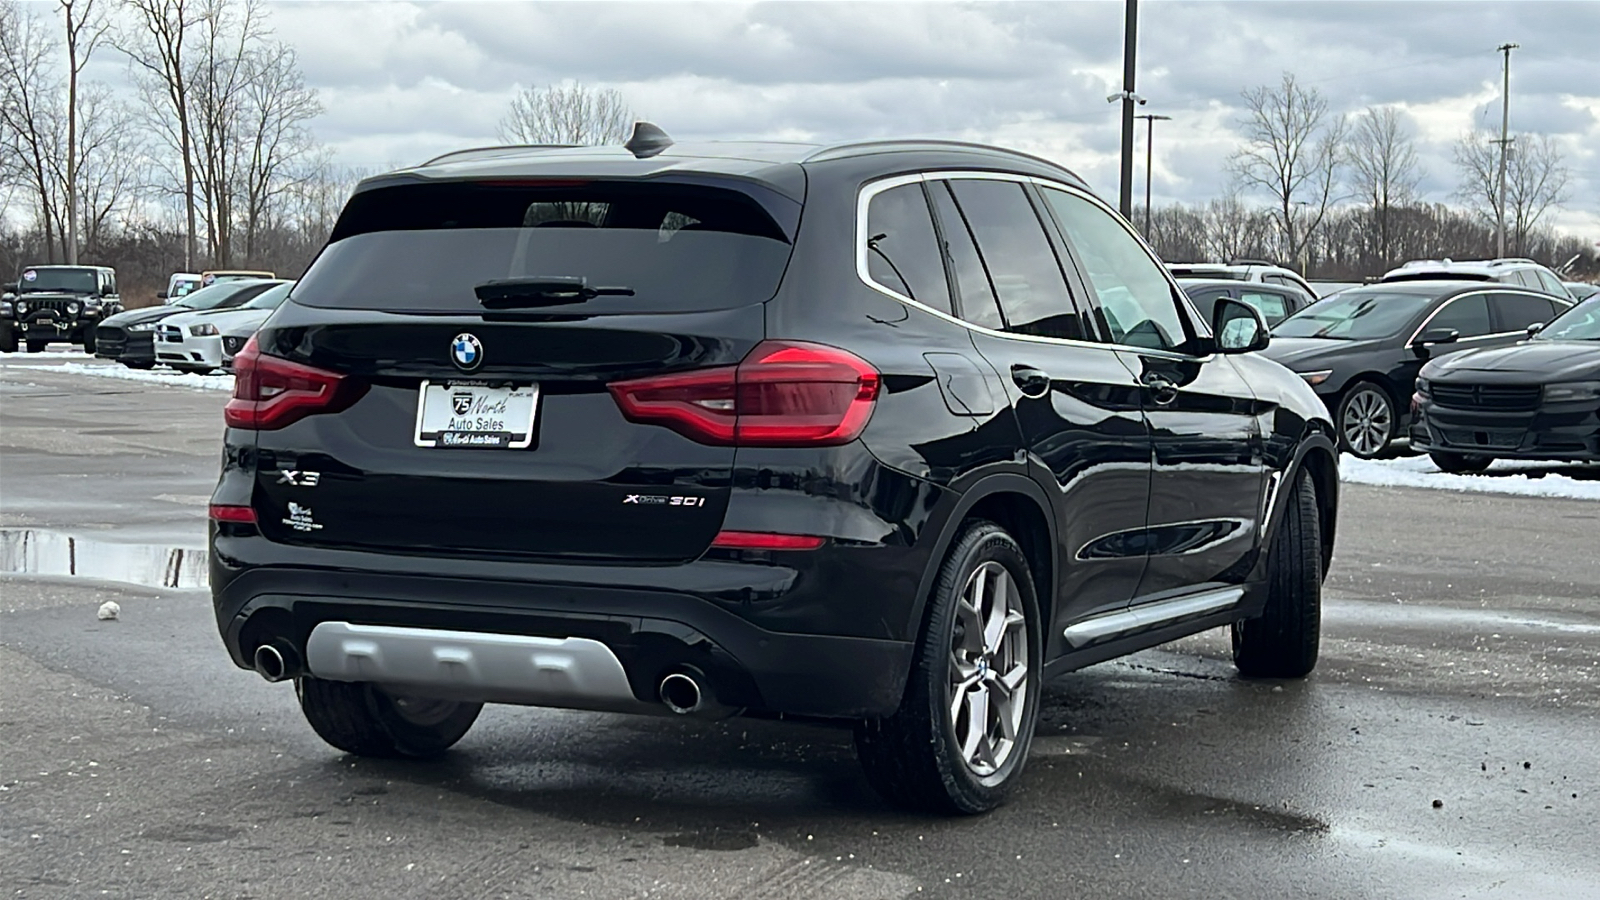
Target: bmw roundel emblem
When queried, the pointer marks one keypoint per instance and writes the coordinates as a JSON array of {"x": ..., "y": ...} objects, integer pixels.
[{"x": 467, "y": 352}]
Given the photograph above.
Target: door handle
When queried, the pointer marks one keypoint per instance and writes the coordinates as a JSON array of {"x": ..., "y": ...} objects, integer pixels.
[
  {"x": 1032, "y": 382},
  {"x": 1162, "y": 390}
]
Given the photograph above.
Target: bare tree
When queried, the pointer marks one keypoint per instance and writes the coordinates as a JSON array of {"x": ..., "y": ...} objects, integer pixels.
[
  {"x": 109, "y": 167},
  {"x": 1383, "y": 169},
  {"x": 279, "y": 151},
  {"x": 574, "y": 114},
  {"x": 30, "y": 119},
  {"x": 1536, "y": 182},
  {"x": 1234, "y": 230},
  {"x": 156, "y": 47},
  {"x": 1292, "y": 152},
  {"x": 228, "y": 32},
  {"x": 85, "y": 29}
]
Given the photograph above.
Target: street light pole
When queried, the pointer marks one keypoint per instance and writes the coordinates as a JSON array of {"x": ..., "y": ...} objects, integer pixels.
[
  {"x": 1505, "y": 145},
  {"x": 1130, "y": 41},
  {"x": 1150, "y": 120}
]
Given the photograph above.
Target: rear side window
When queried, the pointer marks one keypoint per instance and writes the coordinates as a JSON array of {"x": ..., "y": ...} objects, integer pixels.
[
  {"x": 902, "y": 250},
  {"x": 425, "y": 247},
  {"x": 1515, "y": 312},
  {"x": 1549, "y": 284},
  {"x": 1274, "y": 307},
  {"x": 1468, "y": 315},
  {"x": 972, "y": 281},
  {"x": 1022, "y": 266}
]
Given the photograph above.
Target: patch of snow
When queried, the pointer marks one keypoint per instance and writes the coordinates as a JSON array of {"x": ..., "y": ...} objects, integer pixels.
[
  {"x": 1523, "y": 479},
  {"x": 48, "y": 354},
  {"x": 154, "y": 376}
]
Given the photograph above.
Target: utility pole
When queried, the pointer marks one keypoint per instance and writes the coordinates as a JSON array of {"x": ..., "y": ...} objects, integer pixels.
[
  {"x": 1150, "y": 120},
  {"x": 1505, "y": 146},
  {"x": 1130, "y": 41}
]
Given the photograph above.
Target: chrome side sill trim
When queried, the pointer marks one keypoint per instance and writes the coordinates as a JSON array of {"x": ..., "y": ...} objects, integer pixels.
[{"x": 1150, "y": 615}]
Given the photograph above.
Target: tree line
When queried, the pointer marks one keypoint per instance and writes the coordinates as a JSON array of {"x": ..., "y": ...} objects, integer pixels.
[
  {"x": 208, "y": 162},
  {"x": 1342, "y": 198}
]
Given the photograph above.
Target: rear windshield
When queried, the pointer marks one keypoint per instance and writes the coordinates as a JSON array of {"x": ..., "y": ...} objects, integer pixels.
[
  {"x": 271, "y": 297},
  {"x": 1355, "y": 315},
  {"x": 221, "y": 296},
  {"x": 1445, "y": 275},
  {"x": 424, "y": 248}
]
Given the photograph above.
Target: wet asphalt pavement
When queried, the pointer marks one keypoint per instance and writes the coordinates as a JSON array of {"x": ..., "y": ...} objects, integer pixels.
[{"x": 1447, "y": 746}]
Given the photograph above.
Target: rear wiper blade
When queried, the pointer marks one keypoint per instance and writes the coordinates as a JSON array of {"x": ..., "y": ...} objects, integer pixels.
[{"x": 541, "y": 290}]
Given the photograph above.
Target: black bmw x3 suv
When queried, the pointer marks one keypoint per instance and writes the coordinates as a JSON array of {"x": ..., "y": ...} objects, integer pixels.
[{"x": 883, "y": 433}]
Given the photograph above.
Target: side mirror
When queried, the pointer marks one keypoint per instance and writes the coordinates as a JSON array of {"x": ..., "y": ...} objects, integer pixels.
[
  {"x": 161, "y": 295},
  {"x": 1433, "y": 337},
  {"x": 1535, "y": 328},
  {"x": 1238, "y": 327}
]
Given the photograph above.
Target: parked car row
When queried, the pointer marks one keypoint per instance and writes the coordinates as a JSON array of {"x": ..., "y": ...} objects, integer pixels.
[{"x": 200, "y": 332}]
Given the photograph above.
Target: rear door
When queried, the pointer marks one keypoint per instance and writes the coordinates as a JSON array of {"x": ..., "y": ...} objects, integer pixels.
[
  {"x": 1077, "y": 402},
  {"x": 492, "y": 432},
  {"x": 1205, "y": 514},
  {"x": 1514, "y": 312}
]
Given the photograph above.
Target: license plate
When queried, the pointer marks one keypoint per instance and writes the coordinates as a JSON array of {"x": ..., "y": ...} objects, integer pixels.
[{"x": 476, "y": 414}]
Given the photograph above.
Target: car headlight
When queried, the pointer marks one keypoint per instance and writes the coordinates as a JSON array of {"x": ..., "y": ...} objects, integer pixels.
[
  {"x": 1316, "y": 378},
  {"x": 202, "y": 330},
  {"x": 1423, "y": 387},
  {"x": 1572, "y": 390},
  {"x": 143, "y": 326},
  {"x": 72, "y": 309},
  {"x": 21, "y": 307},
  {"x": 5, "y": 307}
]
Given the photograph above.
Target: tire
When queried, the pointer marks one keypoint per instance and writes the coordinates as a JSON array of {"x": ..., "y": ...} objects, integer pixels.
[
  {"x": 915, "y": 758},
  {"x": 88, "y": 340},
  {"x": 8, "y": 341},
  {"x": 366, "y": 720},
  {"x": 37, "y": 346},
  {"x": 139, "y": 364},
  {"x": 1367, "y": 420},
  {"x": 1283, "y": 641},
  {"x": 1460, "y": 463}
]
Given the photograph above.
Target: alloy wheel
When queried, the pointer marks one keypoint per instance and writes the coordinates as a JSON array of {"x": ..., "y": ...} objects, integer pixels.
[
  {"x": 987, "y": 695},
  {"x": 1367, "y": 423}
]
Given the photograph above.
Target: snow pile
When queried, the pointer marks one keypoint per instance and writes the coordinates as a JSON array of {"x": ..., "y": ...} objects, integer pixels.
[
  {"x": 1523, "y": 479},
  {"x": 48, "y": 354},
  {"x": 157, "y": 376}
]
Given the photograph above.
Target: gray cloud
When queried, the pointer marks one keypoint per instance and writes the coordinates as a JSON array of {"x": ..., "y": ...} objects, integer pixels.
[{"x": 404, "y": 79}]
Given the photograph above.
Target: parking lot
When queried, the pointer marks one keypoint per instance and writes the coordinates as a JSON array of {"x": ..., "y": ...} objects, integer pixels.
[{"x": 1445, "y": 746}]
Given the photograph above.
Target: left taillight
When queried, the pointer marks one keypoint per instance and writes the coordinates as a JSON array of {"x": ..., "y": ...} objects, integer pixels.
[
  {"x": 271, "y": 392},
  {"x": 783, "y": 394}
]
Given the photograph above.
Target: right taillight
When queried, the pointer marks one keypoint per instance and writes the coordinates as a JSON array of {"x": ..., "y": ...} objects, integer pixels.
[
  {"x": 784, "y": 394},
  {"x": 271, "y": 392}
]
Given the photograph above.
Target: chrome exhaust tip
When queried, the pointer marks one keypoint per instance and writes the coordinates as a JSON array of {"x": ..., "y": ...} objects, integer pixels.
[
  {"x": 274, "y": 661},
  {"x": 681, "y": 693}
]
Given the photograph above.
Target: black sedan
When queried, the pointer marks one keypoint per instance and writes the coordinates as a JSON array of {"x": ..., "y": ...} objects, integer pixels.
[
  {"x": 1274, "y": 302},
  {"x": 1361, "y": 350},
  {"x": 129, "y": 337},
  {"x": 1539, "y": 399}
]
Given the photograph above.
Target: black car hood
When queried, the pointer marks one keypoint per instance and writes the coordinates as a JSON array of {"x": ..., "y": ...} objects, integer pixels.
[
  {"x": 1547, "y": 361},
  {"x": 1303, "y": 354},
  {"x": 140, "y": 316}
]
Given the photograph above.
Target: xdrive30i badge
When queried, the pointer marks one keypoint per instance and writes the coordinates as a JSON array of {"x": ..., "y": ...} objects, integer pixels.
[{"x": 466, "y": 351}]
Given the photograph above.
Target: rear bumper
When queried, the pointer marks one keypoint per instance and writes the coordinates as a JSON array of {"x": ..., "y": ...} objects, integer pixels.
[
  {"x": 1555, "y": 431},
  {"x": 654, "y": 620}
]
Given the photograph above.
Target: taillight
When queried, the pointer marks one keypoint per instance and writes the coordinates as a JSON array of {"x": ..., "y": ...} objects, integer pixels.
[
  {"x": 270, "y": 392},
  {"x": 784, "y": 394}
]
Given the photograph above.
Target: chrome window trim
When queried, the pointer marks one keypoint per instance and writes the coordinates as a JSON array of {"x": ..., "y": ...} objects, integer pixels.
[
  {"x": 1498, "y": 289},
  {"x": 874, "y": 188}
]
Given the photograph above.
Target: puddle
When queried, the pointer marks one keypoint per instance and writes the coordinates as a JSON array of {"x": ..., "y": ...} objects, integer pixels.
[
  {"x": 1368, "y": 613},
  {"x": 30, "y": 552}
]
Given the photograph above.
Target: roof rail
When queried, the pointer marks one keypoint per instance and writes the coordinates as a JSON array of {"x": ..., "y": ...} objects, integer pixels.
[
  {"x": 1509, "y": 260},
  {"x": 476, "y": 152},
  {"x": 912, "y": 143},
  {"x": 1240, "y": 261}
]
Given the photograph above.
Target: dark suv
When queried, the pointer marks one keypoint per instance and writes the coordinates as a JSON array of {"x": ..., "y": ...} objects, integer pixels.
[
  {"x": 886, "y": 434},
  {"x": 57, "y": 303}
]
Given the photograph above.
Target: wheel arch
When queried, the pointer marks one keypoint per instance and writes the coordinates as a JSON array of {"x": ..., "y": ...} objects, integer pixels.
[
  {"x": 1015, "y": 503},
  {"x": 1318, "y": 457}
]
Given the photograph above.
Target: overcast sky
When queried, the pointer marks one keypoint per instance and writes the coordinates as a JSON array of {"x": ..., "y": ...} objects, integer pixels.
[{"x": 402, "y": 81}]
